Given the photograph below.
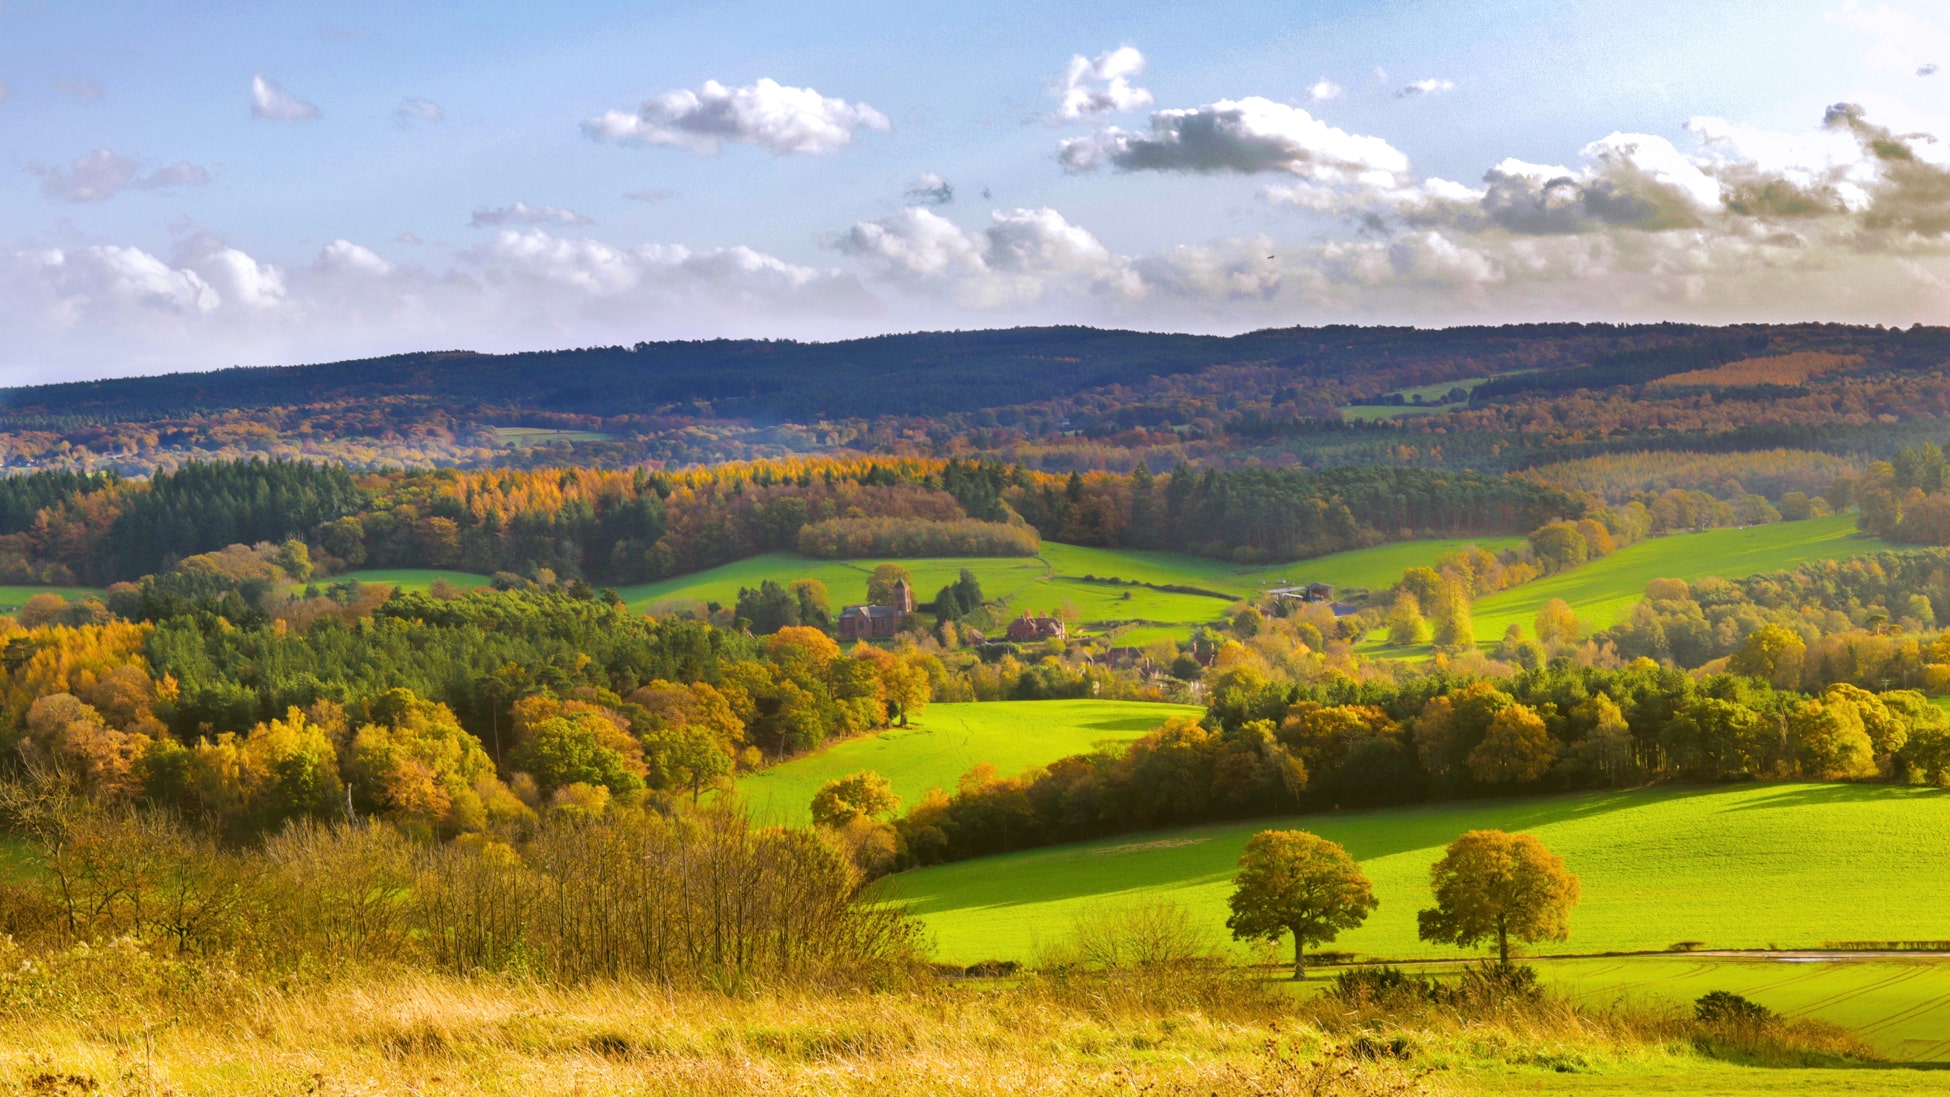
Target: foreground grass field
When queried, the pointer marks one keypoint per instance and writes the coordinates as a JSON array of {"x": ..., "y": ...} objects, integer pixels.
[
  {"x": 1604, "y": 591},
  {"x": 949, "y": 740},
  {"x": 1748, "y": 867}
]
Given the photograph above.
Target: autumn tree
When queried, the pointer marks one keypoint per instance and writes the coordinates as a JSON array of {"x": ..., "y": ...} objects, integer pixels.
[
  {"x": 1405, "y": 624},
  {"x": 1516, "y": 749},
  {"x": 1290, "y": 881},
  {"x": 1491, "y": 885},
  {"x": 1773, "y": 653},
  {"x": 1454, "y": 627},
  {"x": 865, "y": 794},
  {"x": 1556, "y": 623}
]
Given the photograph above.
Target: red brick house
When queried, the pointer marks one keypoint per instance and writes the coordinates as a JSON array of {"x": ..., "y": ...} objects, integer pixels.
[{"x": 1028, "y": 629}]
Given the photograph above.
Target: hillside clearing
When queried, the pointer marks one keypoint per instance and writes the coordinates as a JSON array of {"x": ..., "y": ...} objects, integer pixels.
[
  {"x": 1604, "y": 591},
  {"x": 949, "y": 740}
]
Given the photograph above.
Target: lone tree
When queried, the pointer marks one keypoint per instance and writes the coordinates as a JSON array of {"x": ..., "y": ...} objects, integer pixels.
[
  {"x": 844, "y": 799},
  {"x": 1492, "y": 884},
  {"x": 1294, "y": 882}
]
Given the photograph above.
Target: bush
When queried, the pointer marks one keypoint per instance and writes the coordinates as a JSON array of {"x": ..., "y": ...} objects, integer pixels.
[
  {"x": 1726, "y": 1007},
  {"x": 1367, "y": 986}
]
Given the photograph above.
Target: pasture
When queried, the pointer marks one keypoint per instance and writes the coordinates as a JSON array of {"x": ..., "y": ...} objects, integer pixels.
[
  {"x": 949, "y": 740},
  {"x": 414, "y": 580},
  {"x": 1045, "y": 583},
  {"x": 14, "y": 597},
  {"x": 1755, "y": 866},
  {"x": 1604, "y": 591}
]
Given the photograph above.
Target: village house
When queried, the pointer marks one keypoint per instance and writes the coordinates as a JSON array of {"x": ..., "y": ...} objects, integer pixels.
[
  {"x": 1028, "y": 629},
  {"x": 877, "y": 622}
]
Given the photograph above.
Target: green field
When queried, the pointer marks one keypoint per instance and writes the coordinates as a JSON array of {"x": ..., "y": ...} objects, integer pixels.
[
  {"x": 1747, "y": 867},
  {"x": 1900, "y": 1006},
  {"x": 1604, "y": 591},
  {"x": 12, "y": 598},
  {"x": 1044, "y": 583},
  {"x": 535, "y": 436},
  {"x": 1368, "y": 413},
  {"x": 416, "y": 579},
  {"x": 949, "y": 740}
]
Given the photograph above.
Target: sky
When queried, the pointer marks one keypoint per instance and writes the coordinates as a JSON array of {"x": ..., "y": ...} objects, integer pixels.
[{"x": 193, "y": 184}]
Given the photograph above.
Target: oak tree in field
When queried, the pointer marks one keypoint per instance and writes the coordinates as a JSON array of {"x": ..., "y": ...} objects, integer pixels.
[
  {"x": 857, "y": 795},
  {"x": 1294, "y": 882},
  {"x": 1494, "y": 886}
]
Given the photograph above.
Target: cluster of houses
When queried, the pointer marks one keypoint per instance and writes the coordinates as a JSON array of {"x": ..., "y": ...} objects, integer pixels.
[{"x": 882, "y": 621}]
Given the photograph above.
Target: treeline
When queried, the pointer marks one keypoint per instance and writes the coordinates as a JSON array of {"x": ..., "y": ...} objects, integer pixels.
[
  {"x": 1869, "y": 620},
  {"x": 851, "y": 538},
  {"x": 443, "y": 716},
  {"x": 620, "y": 527},
  {"x": 1267, "y": 748}
]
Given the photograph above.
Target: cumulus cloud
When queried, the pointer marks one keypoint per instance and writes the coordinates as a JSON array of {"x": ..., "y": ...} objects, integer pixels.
[
  {"x": 1324, "y": 90},
  {"x": 1429, "y": 86},
  {"x": 416, "y": 110},
  {"x": 1100, "y": 85},
  {"x": 930, "y": 189},
  {"x": 102, "y": 174},
  {"x": 1246, "y": 136},
  {"x": 521, "y": 213},
  {"x": 270, "y": 100},
  {"x": 1018, "y": 257},
  {"x": 780, "y": 119}
]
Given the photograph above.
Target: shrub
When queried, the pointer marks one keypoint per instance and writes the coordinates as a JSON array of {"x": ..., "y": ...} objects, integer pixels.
[{"x": 1721, "y": 1006}]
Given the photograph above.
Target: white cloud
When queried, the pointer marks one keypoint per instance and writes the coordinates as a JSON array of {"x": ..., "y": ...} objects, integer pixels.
[
  {"x": 270, "y": 100},
  {"x": 1927, "y": 70},
  {"x": 1324, "y": 90},
  {"x": 782, "y": 120},
  {"x": 90, "y": 307},
  {"x": 345, "y": 257},
  {"x": 1430, "y": 86},
  {"x": 102, "y": 174},
  {"x": 930, "y": 189},
  {"x": 1018, "y": 258},
  {"x": 1247, "y": 136},
  {"x": 1089, "y": 87},
  {"x": 521, "y": 213},
  {"x": 415, "y": 110}
]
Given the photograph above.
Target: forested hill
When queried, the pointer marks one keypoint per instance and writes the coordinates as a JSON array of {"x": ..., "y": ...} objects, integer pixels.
[{"x": 917, "y": 374}]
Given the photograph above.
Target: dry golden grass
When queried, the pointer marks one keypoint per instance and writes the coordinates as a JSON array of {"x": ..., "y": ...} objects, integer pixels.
[
  {"x": 129, "y": 1023},
  {"x": 1779, "y": 369}
]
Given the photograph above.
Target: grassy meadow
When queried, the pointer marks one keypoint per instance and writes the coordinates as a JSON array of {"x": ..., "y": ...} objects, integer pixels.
[
  {"x": 1076, "y": 575},
  {"x": 1742, "y": 867},
  {"x": 14, "y": 597},
  {"x": 949, "y": 740},
  {"x": 1604, "y": 591},
  {"x": 1902, "y": 1007},
  {"x": 416, "y": 580}
]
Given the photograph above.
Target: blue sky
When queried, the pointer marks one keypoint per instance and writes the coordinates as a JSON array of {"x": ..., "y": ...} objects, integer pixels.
[{"x": 195, "y": 184}]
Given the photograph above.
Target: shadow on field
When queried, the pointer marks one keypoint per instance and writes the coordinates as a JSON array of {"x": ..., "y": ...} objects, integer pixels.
[
  {"x": 1831, "y": 794},
  {"x": 1187, "y": 857}
]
